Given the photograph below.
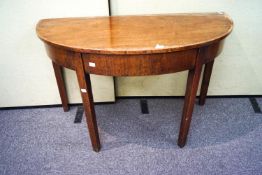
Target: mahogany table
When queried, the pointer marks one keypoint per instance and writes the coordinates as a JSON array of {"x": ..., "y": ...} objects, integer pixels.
[{"x": 135, "y": 46}]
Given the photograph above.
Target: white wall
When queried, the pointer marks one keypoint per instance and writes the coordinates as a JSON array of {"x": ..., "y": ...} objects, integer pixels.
[
  {"x": 237, "y": 70},
  {"x": 27, "y": 78},
  {"x": 26, "y": 74}
]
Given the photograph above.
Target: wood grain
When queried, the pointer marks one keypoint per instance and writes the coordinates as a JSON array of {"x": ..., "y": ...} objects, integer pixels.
[
  {"x": 61, "y": 85},
  {"x": 135, "y": 34},
  {"x": 88, "y": 103},
  {"x": 205, "y": 82},
  {"x": 138, "y": 65},
  {"x": 191, "y": 90}
]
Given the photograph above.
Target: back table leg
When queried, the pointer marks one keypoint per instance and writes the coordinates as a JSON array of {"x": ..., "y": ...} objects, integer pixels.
[
  {"x": 61, "y": 85},
  {"x": 87, "y": 97},
  {"x": 205, "y": 82}
]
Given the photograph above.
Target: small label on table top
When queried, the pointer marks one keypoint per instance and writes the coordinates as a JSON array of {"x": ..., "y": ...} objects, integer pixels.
[
  {"x": 91, "y": 64},
  {"x": 83, "y": 90},
  {"x": 159, "y": 46}
]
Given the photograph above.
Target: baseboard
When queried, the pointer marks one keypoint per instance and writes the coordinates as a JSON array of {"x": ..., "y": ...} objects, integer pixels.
[
  {"x": 127, "y": 97},
  {"x": 211, "y": 96}
]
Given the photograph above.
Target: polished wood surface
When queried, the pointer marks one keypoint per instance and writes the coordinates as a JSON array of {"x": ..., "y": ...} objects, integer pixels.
[
  {"x": 142, "y": 64},
  {"x": 205, "y": 82},
  {"x": 191, "y": 90},
  {"x": 135, "y": 46},
  {"x": 61, "y": 85},
  {"x": 135, "y": 34},
  {"x": 88, "y": 103}
]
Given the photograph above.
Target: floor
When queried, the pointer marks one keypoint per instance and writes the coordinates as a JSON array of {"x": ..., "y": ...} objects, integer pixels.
[{"x": 225, "y": 138}]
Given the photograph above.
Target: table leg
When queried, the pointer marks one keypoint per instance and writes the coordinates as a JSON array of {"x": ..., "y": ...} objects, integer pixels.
[
  {"x": 61, "y": 85},
  {"x": 87, "y": 97},
  {"x": 205, "y": 82},
  {"x": 191, "y": 90}
]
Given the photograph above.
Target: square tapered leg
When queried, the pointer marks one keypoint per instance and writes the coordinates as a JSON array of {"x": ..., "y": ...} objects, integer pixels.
[
  {"x": 88, "y": 103},
  {"x": 191, "y": 90},
  {"x": 205, "y": 82},
  {"x": 61, "y": 85}
]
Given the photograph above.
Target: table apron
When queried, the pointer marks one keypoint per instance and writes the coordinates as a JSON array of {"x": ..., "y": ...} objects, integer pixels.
[
  {"x": 139, "y": 65},
  {"x": 63, "y": 57},
  {"x": 133, "y": 65}
]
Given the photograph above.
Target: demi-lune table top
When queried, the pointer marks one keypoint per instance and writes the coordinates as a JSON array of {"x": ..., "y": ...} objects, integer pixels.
[{"x": 135, "y": 34}]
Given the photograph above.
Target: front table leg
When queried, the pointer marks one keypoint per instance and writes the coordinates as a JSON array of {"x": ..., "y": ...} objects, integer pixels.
[
  {"x": 191, "y": 90},
  {"x": 87, "y": 97}
]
